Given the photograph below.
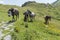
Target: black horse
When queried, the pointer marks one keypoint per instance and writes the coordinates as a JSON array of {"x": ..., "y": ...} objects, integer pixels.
[
  {"x": 47, "y": 19},
  {"x": 29, "y": 14},
  {"x": 13, "y": 12}
]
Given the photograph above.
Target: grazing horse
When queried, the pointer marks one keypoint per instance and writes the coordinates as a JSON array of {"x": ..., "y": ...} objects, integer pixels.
[
  {"x": 13, "y": 12},
  {"x": 29, "y": 14},
  {"x": 47, "y": 19}
]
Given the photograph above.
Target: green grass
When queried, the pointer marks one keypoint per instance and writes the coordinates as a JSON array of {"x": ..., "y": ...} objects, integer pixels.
[{"x": 36, "y": 30}]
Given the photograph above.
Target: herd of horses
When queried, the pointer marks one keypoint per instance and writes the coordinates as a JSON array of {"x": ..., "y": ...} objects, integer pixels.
[{"x": 27, "y": 15}]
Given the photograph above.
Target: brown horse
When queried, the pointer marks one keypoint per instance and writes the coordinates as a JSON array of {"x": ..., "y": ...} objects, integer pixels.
[
  {"x": 47, "y": 19},
  {"x": 13, "y": 12}
]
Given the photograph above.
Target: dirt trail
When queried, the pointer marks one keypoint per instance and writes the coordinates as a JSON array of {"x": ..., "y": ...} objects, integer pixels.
[{"x": 6, "y": 26}]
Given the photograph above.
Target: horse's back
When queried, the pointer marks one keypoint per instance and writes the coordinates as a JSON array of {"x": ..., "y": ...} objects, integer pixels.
[
  {"x": 32, "y": 14},
  {"x": 16, "y": 11}
]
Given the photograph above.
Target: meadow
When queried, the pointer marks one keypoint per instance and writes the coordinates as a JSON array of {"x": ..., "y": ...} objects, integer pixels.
[{"x": 36, "y": 30}]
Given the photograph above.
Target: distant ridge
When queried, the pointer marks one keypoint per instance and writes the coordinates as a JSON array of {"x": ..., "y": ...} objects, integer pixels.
[
  {"x": 28, "y": 3},
  {"x": 56, "y": 3}
]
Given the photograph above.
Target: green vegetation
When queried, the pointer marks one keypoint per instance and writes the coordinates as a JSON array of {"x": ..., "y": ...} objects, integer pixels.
[{"x": 36, "y": 30}]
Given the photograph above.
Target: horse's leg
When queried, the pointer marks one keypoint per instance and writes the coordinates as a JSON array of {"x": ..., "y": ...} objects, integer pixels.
[
  {"x": 48, "y": 21},
  {"x": 13, "y": 17},
  {"x": 31, "y": 19},
  {"x": 45, "y": 21},
  {"x": 25, "y": 19},
  {"x": 16, "y": 17}
]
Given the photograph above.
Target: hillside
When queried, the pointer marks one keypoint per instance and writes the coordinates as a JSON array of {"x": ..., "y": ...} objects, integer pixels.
[
  {"x": 56, "y": 3},
  {"x": 36, "y": 30}
]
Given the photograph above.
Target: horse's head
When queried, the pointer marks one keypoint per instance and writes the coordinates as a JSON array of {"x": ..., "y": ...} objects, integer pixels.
[
  {"x": 9, "y": 12},
  {"x": 48, "y": 18}
]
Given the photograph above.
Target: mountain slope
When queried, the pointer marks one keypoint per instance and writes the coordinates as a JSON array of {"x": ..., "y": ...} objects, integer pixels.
[
  {"x": 56, "y": 3},
  {"x": 36, "y": 30}
]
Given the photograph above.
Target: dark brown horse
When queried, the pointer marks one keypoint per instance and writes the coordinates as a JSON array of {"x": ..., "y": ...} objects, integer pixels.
[
  {"x": 47, "y": 19},
  {"x": 13, "y": 12}
]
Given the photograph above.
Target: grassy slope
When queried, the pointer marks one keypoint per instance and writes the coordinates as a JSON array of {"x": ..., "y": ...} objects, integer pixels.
[{"x": 36, "y": 30}]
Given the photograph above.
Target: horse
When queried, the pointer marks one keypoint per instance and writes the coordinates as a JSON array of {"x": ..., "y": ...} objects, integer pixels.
[
  {"x": 29, "y": 14},
  {"x": 47, "y": 19},
  {"x": 13, "y": 12}
]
